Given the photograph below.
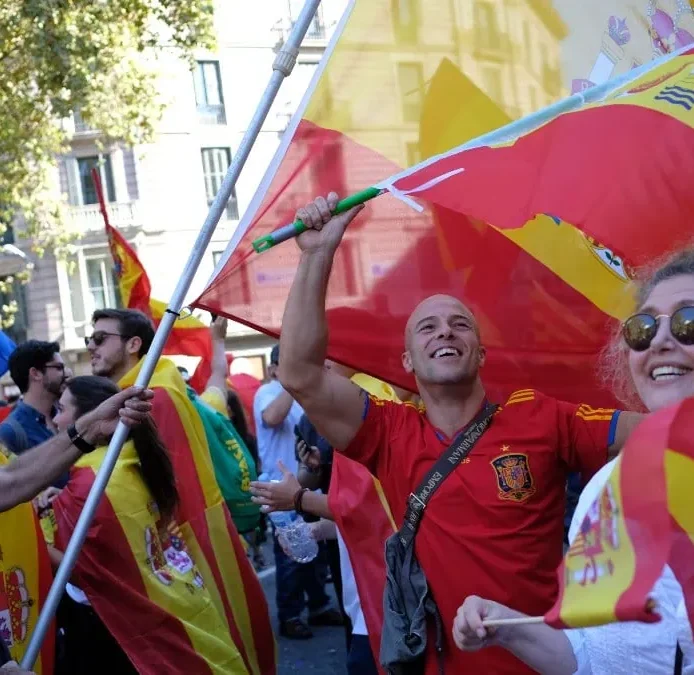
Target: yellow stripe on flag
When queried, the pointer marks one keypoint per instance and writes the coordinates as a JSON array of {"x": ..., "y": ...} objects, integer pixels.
[
  {"x": 679, "y": 473},
  {"x": 224, "y": 552}
]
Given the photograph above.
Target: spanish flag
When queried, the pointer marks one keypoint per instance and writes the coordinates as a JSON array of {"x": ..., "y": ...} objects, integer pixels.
[
  {"x": 206, "y": 525},
  {"x": 594, "y": 168},
  {"x": 189, "y": 336},
  {"x": 141, "y": 578},
  {"x": 356, "y": 497},
  {"x": 25, "y": 579},
  {"x": 399, "y": 85},
  {"x": 641, "y": 521}
]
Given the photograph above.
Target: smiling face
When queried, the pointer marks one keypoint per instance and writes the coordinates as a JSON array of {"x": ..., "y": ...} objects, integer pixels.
[
  {"x": 663, "y": 374},
  {"x": 442, "y": 341}
]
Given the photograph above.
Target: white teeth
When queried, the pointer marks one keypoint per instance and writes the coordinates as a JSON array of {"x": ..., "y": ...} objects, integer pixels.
[
  {"x": 446, "y": 351},
  {"x": 668, "y": 373}
]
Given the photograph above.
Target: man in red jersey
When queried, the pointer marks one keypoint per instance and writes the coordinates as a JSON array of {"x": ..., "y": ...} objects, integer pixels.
[{"x": 494, "y": 527}]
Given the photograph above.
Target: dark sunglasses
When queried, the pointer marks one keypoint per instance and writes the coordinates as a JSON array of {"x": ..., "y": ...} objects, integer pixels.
[
  {"x": 57, "y": 366},
  {"x": 99, "y": 337},
  {"x": 640, "y": 329}
]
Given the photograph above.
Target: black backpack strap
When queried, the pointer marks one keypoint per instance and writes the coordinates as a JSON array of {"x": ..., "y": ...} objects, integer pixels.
[{"x": 443, "y": 467}]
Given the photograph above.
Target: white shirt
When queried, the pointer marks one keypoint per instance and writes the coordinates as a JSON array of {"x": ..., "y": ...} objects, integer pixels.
[
  {"x": 632, "y": 647},
  {"x": 275, "y": 443},
  {"x": 350, "y": 595}
]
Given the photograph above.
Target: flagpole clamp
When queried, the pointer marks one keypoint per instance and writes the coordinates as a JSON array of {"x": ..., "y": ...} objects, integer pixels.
[{"x": 286, "y": 60}]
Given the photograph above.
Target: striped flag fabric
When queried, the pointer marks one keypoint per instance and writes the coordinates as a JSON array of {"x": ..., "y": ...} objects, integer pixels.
[
  {"x": 641, "y": 521},
  {"x": 591, "y": 167},
  {"x": 25, "y": 579},
  {"x": 206, "y": 524},
  {"x": 396, "y": 88},
  {"x": 144, "y": 583}
]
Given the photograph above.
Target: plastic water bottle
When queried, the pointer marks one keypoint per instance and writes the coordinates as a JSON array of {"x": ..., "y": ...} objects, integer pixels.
[{"x": 294, "y": 535}]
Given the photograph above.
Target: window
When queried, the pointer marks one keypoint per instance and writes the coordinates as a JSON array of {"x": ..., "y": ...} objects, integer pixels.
[
  {"x": 411, "y": 81},
  {"x": 405, "y": 20},
  {"x": 316, "y": 29},
  {"x": 208, "y": 92},
  {"x": 413, "y": 154},
  {"x": 215, "y": 162},
  {"x": 216, "y": 257},
  {"x": 87, "y": 187},
  {"x": 492, "y": 84},
  {"x": 101, "y": 284},
  {"x": 486, "y": 26},
  {"x": 92, "y": 284}
]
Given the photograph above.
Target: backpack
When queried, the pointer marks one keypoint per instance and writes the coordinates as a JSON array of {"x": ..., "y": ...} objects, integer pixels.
[{"x": 234, "y": 467}]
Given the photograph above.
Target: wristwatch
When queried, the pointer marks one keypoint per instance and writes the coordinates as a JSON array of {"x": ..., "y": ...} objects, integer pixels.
[{"x": 83, "y": 446}]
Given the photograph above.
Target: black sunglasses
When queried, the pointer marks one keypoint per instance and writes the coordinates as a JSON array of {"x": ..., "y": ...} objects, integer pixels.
[
  {"x": 99, "y": 337},
  {"x": 640, "y": 329},
  {"x": 57, "y": 366}
]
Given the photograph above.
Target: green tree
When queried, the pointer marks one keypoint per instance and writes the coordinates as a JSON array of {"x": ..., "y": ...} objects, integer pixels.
[{"x": 95, "y": 56}]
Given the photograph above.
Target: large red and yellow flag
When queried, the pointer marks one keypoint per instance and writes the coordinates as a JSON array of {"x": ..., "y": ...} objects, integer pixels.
[
  {"x": 641, "y": 521},
  {"x": 189, "y": 336},
  {"x": 620, "y": 170},
  {"x": 141, "y": 578},
  {"x": 398, "y": 84},
  {"x": 25, "y": 579},
  {"x": 206, "y": 525}
]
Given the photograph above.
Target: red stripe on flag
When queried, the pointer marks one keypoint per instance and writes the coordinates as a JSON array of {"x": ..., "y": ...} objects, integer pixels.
[
  {"x": 540, "y": 333},
  {"x": 192, "y": 506},
  {"x": 154, "y": 640},
  {"x": 621, "y": 173},
  {"x": 45, "y": 580},
  {"x": 354, "y": 501}
]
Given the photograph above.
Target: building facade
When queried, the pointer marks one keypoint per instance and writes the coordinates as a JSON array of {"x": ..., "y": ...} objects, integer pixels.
[{"x": 158, "y": 195}]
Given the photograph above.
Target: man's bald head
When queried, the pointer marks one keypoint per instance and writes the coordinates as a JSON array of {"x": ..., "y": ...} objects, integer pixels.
[
  {"x": 434, "y": 305},
  {"x": 442, "y": 343}
]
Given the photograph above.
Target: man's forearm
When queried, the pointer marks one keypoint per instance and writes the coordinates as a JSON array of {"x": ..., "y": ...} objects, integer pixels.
[
  {"x": 316, "y": 503},
  {"x": 545, "y": 649},
  {"x": 218, "y": 365},
  {"x": 278, "y": 410},
  {"x": 24, "y": 477},
  {"x": 304, "y": 338}
]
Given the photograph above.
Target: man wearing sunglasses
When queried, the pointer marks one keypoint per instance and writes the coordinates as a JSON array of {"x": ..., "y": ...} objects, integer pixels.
[{"x": 38, "y": 371}]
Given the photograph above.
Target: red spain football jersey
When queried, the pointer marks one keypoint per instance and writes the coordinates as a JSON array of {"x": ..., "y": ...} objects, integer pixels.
[{"x": 494, "y": 527}]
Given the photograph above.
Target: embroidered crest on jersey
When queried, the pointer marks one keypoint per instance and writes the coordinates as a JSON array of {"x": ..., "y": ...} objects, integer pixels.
[{"x": 513, "y": 477}]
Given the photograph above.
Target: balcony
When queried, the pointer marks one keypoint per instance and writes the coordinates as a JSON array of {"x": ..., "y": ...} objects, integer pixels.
[
  {"x": 491, "y": 46},
  {"x": 88, "y": 218}
]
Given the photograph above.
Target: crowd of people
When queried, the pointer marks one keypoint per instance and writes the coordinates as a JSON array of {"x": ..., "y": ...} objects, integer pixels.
[{"x": 472, "y": 493}]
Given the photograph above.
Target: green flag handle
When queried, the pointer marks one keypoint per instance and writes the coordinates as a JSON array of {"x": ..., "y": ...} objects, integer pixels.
[{"x": 297, "y": 227}]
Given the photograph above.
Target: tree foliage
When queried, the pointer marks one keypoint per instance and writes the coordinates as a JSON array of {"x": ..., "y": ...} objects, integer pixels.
[{"x": 95, "y": 56}]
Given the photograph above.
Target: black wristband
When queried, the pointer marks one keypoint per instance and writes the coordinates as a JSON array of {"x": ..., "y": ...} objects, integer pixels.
[
  {"x": 298, "y": 499},
  {"x": 83, "y": 446}
]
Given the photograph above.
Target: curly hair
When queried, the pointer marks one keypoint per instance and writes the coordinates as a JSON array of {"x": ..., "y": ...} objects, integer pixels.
[{"x": 614, "y": 366}]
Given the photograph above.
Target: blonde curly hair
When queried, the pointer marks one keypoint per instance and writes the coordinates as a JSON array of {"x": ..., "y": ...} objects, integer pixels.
[{"x": 613, "y": 368}]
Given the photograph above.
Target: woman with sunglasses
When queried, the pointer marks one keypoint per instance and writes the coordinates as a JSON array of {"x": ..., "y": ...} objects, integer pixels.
[{"x": 651, "y": 361}]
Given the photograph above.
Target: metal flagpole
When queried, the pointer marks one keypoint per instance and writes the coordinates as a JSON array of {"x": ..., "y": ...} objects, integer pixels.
[{"x": 282, "y": 68}]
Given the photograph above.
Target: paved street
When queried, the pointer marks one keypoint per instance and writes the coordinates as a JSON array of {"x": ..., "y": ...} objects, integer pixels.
[{"x": 324, "y": 654}]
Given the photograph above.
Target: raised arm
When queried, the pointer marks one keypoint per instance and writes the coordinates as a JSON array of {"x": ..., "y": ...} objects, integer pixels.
[
  {"x": 24, "y": 477},
  {"x": 220, "y": 370},
  {"x": 331, "y": 402}
]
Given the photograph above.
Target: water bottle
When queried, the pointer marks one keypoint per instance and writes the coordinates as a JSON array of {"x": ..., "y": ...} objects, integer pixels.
[{"x": 294, "y": 535}]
